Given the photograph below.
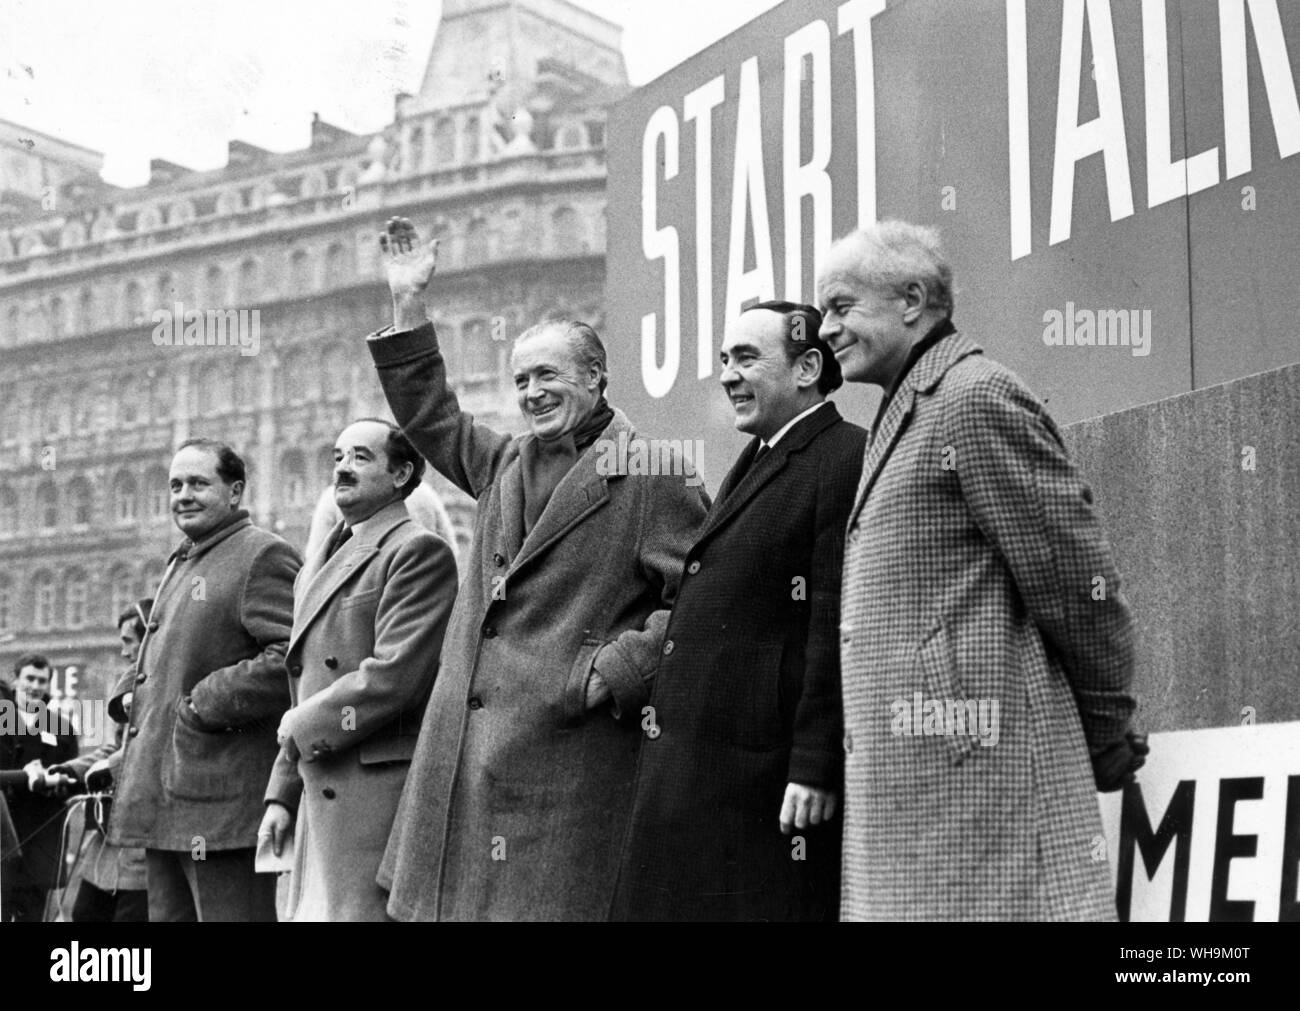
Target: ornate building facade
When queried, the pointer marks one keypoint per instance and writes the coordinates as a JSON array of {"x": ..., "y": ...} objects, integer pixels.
[{"x": 500, "y": 154}]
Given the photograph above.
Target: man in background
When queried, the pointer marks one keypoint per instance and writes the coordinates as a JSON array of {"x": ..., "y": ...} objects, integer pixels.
[{"x": 34, "y": 738}]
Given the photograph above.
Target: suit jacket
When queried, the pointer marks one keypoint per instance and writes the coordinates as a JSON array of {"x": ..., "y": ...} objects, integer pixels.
[
  {"x": 749, "y": 698},
  {"x": 367, "y": 630},
  {"x": 518, "y": 795},
  {"x": 36, "y": 818},
  {"x": 217, "y": 632},
  {"x": 976, "y": 573}
]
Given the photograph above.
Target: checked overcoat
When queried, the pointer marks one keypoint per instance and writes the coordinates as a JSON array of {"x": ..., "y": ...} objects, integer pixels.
[
  {"x": 976, "y": 569},
  {"x": 518, "y": 795},
  {"x": 749, "y": 698}
]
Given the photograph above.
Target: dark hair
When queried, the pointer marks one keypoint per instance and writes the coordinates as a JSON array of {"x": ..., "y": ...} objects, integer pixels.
[
  {"x": 36, "y": 660},
  {"x": 230, "y": 465},
  {"x": 803, "y": 336},
  {"x": 137, "y": 614},
  {"x": 400, "y": 450},
  {"x": 584, "y": 343}
]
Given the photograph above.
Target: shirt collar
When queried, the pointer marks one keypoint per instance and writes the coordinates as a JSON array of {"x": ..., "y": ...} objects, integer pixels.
[{"x": 769, "y": 443}]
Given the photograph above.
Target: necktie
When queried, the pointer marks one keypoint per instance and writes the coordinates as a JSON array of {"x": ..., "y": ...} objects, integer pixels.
[{"x": 339, "y": 541}]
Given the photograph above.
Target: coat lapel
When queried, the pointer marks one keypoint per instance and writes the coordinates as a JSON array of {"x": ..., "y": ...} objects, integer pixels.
[
  {"x": 923, "y": 378},
  {"x": 580, "y": 492},
  {"x": 512, "y": 507},
  {"x": 331, "y": 576},
  {"x": 739, "y": 493}
]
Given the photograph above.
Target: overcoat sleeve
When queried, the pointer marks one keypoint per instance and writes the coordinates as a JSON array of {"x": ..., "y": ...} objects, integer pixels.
[
  {"x": 257, "y": 689},
  {"x": 1030, "y": 502},
  {"x": 414, "y": 376},
  {"x": 410, "y": 622},
  {"x": 672, "y": 513}
]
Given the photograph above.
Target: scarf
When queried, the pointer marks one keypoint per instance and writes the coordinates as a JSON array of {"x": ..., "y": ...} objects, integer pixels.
[{"x": 544, "y": 464}]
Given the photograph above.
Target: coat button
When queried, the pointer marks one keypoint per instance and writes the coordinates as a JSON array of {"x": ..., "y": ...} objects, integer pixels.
[
  {"x": 331, "y": 662},
  {"x": 133, "y": 732},
  {"x": 499, "y": 559},
  {"x": 489, "y": 632},
  {"x": 328, "y": 793},
  {"x": 475, "y": 702},
  {"x": 295, "y": 671},
  {"x": 668, "y": 648},
  {"x": 693, "y": 568},
  {"x": 848, "y": 742},
  {"x": 140, "y": 678},
  {"x": 153, "y": 626}
]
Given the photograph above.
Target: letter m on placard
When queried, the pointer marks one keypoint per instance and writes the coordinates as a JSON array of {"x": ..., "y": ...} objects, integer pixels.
[{"x": 1135, "y": 833}]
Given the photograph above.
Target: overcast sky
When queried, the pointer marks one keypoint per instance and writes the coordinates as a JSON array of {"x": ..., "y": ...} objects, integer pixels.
[{"x": 177, "y": 79}]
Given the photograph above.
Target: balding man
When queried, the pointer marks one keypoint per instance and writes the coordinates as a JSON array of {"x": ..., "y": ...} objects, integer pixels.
[
  {"x": 986, "y": 649},
  {"x": 520, "y": 787},
  {"x": 736, "y": 801}
]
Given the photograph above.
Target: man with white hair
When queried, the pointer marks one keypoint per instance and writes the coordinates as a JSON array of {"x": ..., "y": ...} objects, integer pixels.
[{"x": 979, "y": 595}]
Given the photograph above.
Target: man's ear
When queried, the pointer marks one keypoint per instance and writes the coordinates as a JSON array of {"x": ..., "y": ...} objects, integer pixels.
[
  {"x": 402, "y": 475},
  {"x": 915, "y": 298},
  {"x": 809, "y": 368},
  {"x": 236, "y": 492}
]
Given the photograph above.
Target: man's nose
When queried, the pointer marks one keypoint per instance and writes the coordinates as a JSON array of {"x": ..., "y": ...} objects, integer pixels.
[{"x": 828, "y": 329}]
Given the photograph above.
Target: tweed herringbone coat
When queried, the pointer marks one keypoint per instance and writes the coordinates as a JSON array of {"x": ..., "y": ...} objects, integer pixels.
[
  {"x": 749, "y": 698},
  {"x": 368, "y": 627},
  {"x": 976, "y": 571},
  {"x": 518, "y": 795}
]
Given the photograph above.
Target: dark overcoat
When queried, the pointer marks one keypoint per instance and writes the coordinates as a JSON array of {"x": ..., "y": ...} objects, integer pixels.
[
  {"x": 37, "y": 818},
  {"x": 518, "y": 795},
  {"x": 749, "y": 698},
  {"x": 218, "y": 631},
  {"x": 368, "y": 627}
]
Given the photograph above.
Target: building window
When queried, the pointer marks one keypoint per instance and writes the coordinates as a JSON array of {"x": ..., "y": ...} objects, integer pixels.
[
  {"x": 8, "y": 512},
  {"x": 125, "y": 499},
  {"x": 415, "y": 148},
  {"x": 469, "y": 139},
  {"x": 476, "y": 242},
  {"x": 444, "y": 142},
  {"x": 58, "y": 318},
  {"x": 249, "y": 288},
  {"x": 47, "y": 505},
  {"x": 566, "y": 228},
  {"x": 293, "y": 472},
  {"x": 43, "y": 601},
  {"x": 76, "y": 593},
  {"x": 121, "y": 591},
  {"x": 157, "y": 494},
  {"x": 134, "y": 303},
  {"x": 216, "y": 288},
  {"x": 7, "y": 621},
  {"x": 336, "y": 266},
  {"x": 299, "y": 274},
  {"x": 86, "y": 321},
  {"x": 478, "y": 354},
  {"x": 79, "y": 501}
]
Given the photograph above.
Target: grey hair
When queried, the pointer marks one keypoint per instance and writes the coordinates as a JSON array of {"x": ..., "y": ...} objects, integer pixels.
[
  {"x": 584, "y": 343},
  {"x": 897, "y": 253}
]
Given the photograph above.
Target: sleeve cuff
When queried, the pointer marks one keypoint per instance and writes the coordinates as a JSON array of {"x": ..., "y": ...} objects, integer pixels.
[
  {"x": 627, "y": 687},
  {"x": 390, "y": 348}
]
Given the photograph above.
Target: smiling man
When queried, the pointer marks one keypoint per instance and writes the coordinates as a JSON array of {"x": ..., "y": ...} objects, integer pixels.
[
  {"x": 370, "y": 610},
  {"x": 208, "y": 691},
  {"x": 522, "y": 779},
  {"x": 975, "y": 569},
  {"x": 737, "y": 796}
]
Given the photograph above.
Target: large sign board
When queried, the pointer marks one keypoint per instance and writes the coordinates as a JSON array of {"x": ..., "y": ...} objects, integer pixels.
[
  {"x": 1212, "y": 829},
  {"x": 1115, "y": 181}
]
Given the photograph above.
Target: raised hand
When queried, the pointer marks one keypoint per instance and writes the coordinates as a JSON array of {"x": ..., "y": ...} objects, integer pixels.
[{"x": 410, "y": 266}]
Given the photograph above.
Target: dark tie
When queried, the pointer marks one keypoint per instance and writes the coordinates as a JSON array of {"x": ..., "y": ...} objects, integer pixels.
[{"x": 339, "y": 541}]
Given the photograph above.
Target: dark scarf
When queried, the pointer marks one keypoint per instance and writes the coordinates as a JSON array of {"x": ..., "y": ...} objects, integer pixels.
[
  {"x": 937, "y": 333},
  {"x": 544, "y": 464}
]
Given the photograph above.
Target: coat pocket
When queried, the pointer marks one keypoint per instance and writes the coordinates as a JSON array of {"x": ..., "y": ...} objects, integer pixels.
[
  {"x": 207, "y": 766},
  {"x": 943, "y": 688},
  {"x": 573, "y": 703}
]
